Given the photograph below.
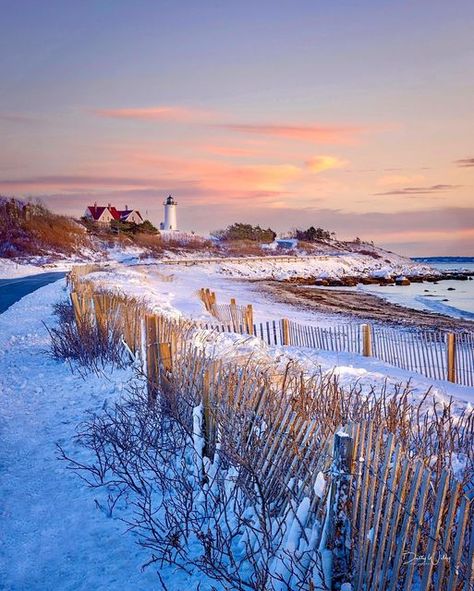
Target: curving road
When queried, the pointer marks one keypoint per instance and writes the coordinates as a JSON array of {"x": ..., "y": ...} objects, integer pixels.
[{"x": 12, "y": 290}]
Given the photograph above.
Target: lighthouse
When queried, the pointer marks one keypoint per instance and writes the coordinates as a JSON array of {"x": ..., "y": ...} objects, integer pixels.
[{"x": 170, "y": 222}]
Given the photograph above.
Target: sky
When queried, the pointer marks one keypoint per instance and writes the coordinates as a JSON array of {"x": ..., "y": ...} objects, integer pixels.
[{"x": 357, "y": 117}]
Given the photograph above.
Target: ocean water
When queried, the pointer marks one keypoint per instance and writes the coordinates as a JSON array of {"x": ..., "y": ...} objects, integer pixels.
[{"x": 453, "y": 298}]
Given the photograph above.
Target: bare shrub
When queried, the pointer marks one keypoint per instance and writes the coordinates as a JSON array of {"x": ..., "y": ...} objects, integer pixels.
[
  {"x": 151, "y": 242},
  {"x": 186, "y": 515},
  {"x": 225, "y": 499},
  {"x": 243, "y": 248},
  {"x": 88, "y": 344}
]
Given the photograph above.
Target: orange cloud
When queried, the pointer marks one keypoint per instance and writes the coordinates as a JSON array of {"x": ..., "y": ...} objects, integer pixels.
[
  {"x": 322, "y": 163},
  {"x": 321, "y": 134},
  {"x": 163, "y": 113}
]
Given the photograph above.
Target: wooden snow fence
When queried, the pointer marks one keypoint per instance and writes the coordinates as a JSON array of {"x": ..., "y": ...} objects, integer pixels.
[
  {"x": 391, "y": 523},
  {"x": 388, "y": 520},
  {"x": 236, "y": 318},
  {"x": 432, "y": 353},
  {"x": 408, "y": 529}
]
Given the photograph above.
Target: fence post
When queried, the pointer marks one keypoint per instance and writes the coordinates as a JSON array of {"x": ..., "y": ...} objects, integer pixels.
[
  {"x": 285, "y": 331},
  {"x": 233, "y": 314},
  {"x": 249, "y": 318},
  {"x": 151, "y": 357},
  {"x": 340, "y": 524},
  {"x": 166, "y": 357},
  {"x": 366, "y": 340},
  {"x": 77, "y": 309},
  {"x": 206, "y": 410},
  {"x": 451, "y": 353}
]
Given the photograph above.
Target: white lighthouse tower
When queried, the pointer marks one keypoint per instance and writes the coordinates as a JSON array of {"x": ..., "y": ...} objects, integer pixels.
[{"x": 170, "y": 222}]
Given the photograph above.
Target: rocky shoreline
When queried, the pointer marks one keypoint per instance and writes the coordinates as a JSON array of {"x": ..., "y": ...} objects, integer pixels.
[
  {"x": 385, "y": 279},
  {"x": 359, "y": 305}
]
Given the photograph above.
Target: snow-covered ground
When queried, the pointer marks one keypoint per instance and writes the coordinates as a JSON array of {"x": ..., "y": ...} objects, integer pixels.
[
  {"x": 10, "y": 269},
  {"x": 53, "y": 536},
  {"x": 171, "y": 289},
  {"x": 323, "y": 267}
]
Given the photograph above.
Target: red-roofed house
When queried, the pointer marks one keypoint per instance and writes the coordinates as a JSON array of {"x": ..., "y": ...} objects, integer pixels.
[
  {"x": 105, "y": 215},
  {"x": 132, "y": 216}
]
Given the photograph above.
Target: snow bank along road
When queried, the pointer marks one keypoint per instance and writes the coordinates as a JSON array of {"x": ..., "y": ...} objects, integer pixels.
[{"x": 52, "y": 537}]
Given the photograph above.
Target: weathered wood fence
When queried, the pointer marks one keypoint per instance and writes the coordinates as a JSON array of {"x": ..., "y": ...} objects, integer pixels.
[
  {"x": 389, "y": 522},
  {"x": 240, "y": 259},
  {"x": 433, "y": 353}
]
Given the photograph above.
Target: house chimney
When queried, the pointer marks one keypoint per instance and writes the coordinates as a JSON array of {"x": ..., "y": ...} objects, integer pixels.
[
  {"x": 109, "y": 205},
  {"x": 126, "y": 208},
  {"x": 95, "y": 206}
]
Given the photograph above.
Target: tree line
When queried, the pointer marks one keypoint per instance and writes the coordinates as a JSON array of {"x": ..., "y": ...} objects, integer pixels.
[{"x": 240, "y": 231}]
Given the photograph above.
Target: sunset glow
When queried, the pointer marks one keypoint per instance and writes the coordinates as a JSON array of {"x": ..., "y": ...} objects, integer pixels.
[{"x": 359, "y": 121}]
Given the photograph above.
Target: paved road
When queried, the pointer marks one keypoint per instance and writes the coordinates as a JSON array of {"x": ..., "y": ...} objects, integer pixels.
[{"x": 12, "y": 290}]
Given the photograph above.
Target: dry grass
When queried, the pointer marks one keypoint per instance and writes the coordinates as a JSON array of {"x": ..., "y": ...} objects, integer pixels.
[
  {"x": 151, "y": 242},
  {"x": 88, "y": 344},
  {"x": 27, "y": 229}
]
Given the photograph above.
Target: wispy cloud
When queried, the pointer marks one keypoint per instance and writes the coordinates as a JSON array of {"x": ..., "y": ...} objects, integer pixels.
[
  {"x": 465, "y": 162},
  {"x": 322, "y": 163},
  {"x": 311, "y": 132},
  {"x": 322, "y": 134},
  {"x": 433, "y": 189},
  {"x": 17, "y": 118},
  {"x": 161, "y": 113},
  {"x": 388, "y": 180}
]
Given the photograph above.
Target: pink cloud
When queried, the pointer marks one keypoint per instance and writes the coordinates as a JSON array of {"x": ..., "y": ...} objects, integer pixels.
[
  {"x": 162, "y": 113},
  {"x": 74, "y": 181},
  {"x": 323, "y": 134}
]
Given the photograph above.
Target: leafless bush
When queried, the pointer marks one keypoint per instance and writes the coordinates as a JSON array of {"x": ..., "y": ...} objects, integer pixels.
[
  {"x": 89, "y": 345},
  {"x": 217, "y": 501},
  {"x": 189, "y": 512}
]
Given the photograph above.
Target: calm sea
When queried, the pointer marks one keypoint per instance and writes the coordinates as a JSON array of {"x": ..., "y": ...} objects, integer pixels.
[{"x": 454, "y": 298}]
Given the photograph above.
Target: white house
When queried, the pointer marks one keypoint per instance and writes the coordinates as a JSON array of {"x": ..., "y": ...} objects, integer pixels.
[
  {"x": 132, "y": 216},
  {"x": 104, "y": 215}
]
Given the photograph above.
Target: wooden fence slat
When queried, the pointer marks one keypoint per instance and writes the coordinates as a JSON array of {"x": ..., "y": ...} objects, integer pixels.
[
  {"x": 418, "y": 523},
  {"x": 434, "y": 529},
  {"x": 463, "y": 513},
  {"x": 383, "y": 481},
  {"x": 447, "y": 526}
]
